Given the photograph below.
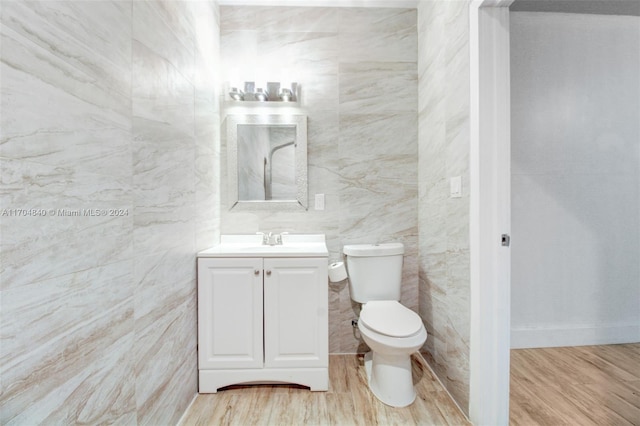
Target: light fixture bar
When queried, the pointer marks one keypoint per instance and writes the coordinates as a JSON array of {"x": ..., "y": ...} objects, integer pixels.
[{"x": 273, "y": 92}]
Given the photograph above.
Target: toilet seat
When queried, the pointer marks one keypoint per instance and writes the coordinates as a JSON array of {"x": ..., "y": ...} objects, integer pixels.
[{"x": 390, "y": 318}]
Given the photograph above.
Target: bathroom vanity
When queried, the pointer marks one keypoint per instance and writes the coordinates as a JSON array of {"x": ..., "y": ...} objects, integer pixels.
[{"x": 263, "y": 312}]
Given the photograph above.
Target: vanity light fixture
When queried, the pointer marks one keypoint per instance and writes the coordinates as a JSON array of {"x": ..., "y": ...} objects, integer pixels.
[
  {"x": 236, "y": 95},
  {"x": 272, "y": 93},
  {"x": 261, "y": 95},
  {"x": 285, "y": 94}
]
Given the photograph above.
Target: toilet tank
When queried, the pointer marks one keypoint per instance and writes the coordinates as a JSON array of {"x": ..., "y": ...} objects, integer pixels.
[{"x": 375, "y": 271}]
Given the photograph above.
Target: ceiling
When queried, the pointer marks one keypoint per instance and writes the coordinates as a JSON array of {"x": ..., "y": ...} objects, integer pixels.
[
  {"x": 322, "y": 3},
  {"x": 599, "y": 7}
]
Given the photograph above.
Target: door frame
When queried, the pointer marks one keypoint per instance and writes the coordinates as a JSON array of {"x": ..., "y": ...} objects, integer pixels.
[{"x": 490, "y": 207}]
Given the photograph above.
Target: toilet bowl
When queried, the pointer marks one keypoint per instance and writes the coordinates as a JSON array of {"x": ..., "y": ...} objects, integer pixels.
[{"x": 392, "y": 332}]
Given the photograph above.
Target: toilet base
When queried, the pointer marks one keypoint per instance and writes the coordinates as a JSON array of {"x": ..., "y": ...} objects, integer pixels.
[{"x": 390, "y": 378}]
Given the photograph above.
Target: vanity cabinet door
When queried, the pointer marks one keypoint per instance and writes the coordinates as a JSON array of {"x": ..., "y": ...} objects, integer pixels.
[
  {"x": 230, "y": 313},
  {"x": 295, "y": 312}
]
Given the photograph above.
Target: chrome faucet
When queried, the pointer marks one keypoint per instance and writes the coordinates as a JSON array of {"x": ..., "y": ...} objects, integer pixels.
[
  {"x": 271, "y": 239},
  {"x": 266, "y": 238}
]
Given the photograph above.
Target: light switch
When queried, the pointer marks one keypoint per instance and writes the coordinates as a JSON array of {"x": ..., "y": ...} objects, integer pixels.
[
  {"x": 319, "y": 202},
  {"x": 455, "y": 184}
]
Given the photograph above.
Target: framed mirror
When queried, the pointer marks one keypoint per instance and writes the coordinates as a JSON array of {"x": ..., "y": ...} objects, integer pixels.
[{"x": 267, "y": 161}]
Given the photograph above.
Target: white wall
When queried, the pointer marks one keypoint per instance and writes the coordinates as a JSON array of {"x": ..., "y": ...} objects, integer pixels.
[{"x": 575, "y": 179}]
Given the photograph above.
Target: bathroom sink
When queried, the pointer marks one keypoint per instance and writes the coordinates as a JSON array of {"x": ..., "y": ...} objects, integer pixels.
[
  {"x": 269, "y": 249},
  {"x": 293, "y": 245}
]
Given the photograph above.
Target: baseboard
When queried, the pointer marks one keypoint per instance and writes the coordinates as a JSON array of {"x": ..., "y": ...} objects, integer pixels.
[
  {"x": 180, "y": 422},
  {"x": 522, "y": 338},
  {"x": 433, "y": 373}
]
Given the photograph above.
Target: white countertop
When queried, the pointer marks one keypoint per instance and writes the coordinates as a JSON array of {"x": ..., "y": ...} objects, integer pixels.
[{"x": 250, "y": 245}]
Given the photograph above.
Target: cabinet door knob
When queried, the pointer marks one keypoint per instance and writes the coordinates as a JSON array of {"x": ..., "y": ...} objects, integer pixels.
[
  {"x": 268, "y": 272},
  {"x": 256, "y": 272}
]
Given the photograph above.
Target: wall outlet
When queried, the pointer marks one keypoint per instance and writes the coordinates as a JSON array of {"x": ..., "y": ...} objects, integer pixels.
[{"x": 319, "y": 202}]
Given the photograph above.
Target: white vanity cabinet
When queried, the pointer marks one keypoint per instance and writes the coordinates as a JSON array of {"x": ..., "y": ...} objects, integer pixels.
[
  {"x": 262, "y": 319},
  {"x": 230, "y": 313}
]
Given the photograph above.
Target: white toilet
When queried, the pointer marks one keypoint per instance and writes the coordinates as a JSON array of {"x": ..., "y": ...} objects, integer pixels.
[{"x": 392, "y": 331}]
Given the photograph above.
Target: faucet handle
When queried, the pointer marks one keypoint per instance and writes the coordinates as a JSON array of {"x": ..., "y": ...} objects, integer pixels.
[
  {"x": 279, "y": 237},
  {"x": 265, "y": 238}
]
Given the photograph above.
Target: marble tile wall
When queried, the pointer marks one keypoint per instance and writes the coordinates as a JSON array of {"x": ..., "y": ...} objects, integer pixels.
[
  {"x": 106, "y": 106},
  {"x": 358, "y": 72},
  {"x": 443, "y": 64}
]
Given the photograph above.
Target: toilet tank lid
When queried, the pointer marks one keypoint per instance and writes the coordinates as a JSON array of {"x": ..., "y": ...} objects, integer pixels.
[{"x": 363, "y": 250}]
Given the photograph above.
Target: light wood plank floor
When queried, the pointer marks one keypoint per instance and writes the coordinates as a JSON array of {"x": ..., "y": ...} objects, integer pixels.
[
  {"x": 585, "y": 385},
  {"x": 348, "y": 402}
]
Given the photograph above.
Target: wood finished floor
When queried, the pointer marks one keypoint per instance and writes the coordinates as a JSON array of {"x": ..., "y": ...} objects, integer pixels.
[
  {"x": 584, "y": 385},
  {"x": 348, "y": 402}
]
